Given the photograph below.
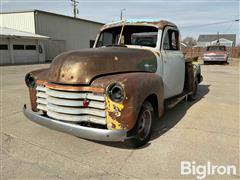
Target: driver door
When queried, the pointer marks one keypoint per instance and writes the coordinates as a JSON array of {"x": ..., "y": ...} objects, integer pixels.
[{"x": 173, "y": 63}]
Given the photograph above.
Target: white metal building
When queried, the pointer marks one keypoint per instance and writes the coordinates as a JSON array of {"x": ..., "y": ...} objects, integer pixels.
[
  {"x": 19, "y": 47},
  {"x": 228, "y": 40},
  {"x": 66, "y": 33}
]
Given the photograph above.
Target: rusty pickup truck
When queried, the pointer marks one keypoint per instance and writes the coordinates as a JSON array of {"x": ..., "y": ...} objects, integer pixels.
[{"x": 115, "y": 90}]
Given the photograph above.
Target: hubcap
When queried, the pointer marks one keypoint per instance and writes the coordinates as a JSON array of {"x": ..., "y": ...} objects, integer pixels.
[{"x": 144, "y": 124}]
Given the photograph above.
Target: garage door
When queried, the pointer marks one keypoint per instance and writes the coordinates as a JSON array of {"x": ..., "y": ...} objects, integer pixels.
[
  {"x": 4, "y": 52},
  {"x": 25, "y": 51}
]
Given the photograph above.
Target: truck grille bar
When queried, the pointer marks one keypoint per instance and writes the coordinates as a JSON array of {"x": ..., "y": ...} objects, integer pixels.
[{"x": 68, "y": 106}]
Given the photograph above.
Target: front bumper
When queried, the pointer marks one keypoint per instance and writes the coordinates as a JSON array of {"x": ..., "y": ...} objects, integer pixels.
[
  {"x": 76, "y": 130},
  {"x": 214, "y": 59}
]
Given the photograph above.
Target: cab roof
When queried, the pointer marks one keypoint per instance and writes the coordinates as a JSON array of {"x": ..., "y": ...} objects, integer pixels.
[{"x": 160, "y": 24}]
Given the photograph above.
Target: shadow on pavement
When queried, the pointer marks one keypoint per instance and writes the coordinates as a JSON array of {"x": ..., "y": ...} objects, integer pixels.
[
  {"x": 169, "y": 119},
  {"x": 173, "y": 116}
]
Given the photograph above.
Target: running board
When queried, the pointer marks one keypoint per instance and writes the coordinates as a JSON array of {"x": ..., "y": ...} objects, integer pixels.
[{"x": 171, "y": 102}]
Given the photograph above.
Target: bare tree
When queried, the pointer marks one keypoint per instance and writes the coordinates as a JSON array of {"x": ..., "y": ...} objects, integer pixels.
[{"x": 190, "y": 41}]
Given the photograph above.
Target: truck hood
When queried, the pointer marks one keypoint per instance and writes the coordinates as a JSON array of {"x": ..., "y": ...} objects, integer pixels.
[{"x": 82, "y": 66}]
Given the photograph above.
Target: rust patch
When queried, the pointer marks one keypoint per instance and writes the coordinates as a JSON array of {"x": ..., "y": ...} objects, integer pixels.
[
  {"x": 158, "y": 24},
  {"x": 137, "y": 86},
  {"x": 41, "y": 82},
  {"x": 75, "y": 88},
  {"x": 114, "y": 112},
  {"x": 81, "y": 66},
  {"x": 33, "y": 98}
]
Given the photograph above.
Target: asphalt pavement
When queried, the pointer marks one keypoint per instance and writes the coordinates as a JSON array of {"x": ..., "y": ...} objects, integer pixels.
[{"x": 206, "y": 130}]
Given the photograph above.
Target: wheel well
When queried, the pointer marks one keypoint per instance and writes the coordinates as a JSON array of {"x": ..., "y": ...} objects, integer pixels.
[{"x": 154, "y": 101}]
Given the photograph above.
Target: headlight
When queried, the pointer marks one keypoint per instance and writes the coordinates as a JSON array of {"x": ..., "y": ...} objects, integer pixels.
[
  {"x": 115, "y": 92},
  {"x": 30, "y": 80}
]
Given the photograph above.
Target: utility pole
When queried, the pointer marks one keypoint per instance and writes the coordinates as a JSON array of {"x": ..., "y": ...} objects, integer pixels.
[
  {"x": 75, "y": 9},
  {"x": 218, "y": 43},
  {"x": 121, "y": 15}
]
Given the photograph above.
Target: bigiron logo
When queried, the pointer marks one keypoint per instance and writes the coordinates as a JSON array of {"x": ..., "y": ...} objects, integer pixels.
[{"x": 204, "y": 170}]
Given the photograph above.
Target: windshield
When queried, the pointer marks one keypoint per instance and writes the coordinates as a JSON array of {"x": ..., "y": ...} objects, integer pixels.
[
  {"x": 131, "y": 35},
  {"x": 216, "y": 48}
]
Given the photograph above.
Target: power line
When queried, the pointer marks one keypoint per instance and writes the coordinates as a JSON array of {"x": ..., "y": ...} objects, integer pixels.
[
  {"x": 75, "y": 9},
  {"x": 210, "y": 24}
]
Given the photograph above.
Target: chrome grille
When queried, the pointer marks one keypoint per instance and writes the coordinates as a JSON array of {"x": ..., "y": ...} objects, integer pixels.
[{"x": 68, "y": 105}]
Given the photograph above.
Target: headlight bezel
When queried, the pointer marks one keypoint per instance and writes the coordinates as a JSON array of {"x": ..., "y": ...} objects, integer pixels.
[
  {"x": 30, "y": 80},
  {"x": 116, "y": 92}
]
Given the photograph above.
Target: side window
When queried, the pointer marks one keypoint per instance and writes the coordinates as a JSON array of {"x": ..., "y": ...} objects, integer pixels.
[
  {"x": 166, "y": 43},
  {"x": 105, "y": 39},
  {"x": 171, "y": 41},
  {"x": 174, "y": 40}
]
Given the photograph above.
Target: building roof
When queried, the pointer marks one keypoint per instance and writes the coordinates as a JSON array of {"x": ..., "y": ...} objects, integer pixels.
[
  {"x": 51, "y": 13},
  {"x": 13, "y": 33},
  {"x": 214, "y": 37},
  {"x": 160, "y": 24}
]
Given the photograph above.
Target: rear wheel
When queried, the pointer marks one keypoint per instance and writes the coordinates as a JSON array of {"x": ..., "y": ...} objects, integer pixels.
[
  {"x": 193, "y": 96},
  {"x": 143, "y": 128}
]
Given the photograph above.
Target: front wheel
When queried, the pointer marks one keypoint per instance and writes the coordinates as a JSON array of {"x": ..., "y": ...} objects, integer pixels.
[{"x": 143, "y": 128}]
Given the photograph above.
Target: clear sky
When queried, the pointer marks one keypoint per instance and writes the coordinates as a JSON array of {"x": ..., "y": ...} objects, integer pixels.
[{"x": 187, "y": 14}]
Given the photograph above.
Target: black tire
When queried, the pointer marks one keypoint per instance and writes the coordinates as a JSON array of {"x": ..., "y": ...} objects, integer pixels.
[
  {"x": 193, "y": 96},
  {"x": 227, "y": 61},
  {"x": 141, "y": 133}
]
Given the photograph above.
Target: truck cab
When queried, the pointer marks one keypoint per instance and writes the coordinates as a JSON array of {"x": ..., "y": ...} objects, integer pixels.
[
  {"x": 114, "y": 91},
  {"x": 163, "y": 42}
]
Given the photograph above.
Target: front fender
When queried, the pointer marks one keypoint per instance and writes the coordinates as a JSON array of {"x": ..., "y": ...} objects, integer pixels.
[
  {"x": 137, "y": 86},
  {"x": 42, "y": 75}
]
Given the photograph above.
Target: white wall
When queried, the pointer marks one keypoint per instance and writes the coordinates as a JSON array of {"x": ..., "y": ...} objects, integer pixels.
[
  {"x": 66, "y": 33},
  {"x": 20, "y": 21},
  {"x": 222, "y": 41},
  {"x": 71, "y": 33}
]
